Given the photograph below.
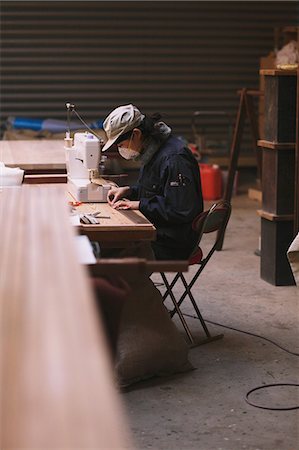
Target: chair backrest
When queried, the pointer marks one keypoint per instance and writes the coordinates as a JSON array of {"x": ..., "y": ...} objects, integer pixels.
[
  {"x": 212, "y": 220},
  {"x": 217, "y": 217}
]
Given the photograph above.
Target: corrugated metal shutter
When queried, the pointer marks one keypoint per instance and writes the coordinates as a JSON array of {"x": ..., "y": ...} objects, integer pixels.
[{"x": 173, "y": 57}]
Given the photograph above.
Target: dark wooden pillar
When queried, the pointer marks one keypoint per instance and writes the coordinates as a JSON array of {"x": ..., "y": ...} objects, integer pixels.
[
  {"x": 278, "y": 147},
  {"x": 296, "y": 199}
]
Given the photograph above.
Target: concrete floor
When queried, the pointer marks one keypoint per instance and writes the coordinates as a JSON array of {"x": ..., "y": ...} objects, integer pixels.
[{"x": 205, "y": 409}]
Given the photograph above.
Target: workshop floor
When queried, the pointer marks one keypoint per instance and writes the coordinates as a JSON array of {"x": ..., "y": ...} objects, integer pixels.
[{"x": 205, "y": 409}]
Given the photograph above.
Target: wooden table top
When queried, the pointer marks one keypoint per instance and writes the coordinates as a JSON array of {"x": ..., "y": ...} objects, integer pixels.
[
  {"x": 121, "y": 226},
  {"x": 56, "y": 379},
  {"x": 34, "y": 155}
]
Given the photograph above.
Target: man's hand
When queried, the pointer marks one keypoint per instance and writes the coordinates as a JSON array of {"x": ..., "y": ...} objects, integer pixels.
[
  {"x": 117, "y": 193},
  {"x": 126, "y": 204}
]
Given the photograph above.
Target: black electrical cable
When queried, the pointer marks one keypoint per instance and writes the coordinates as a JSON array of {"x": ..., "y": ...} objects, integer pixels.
[
  {"x": 246, "y": 332},
  {"x": 86, "y": 125},
  {"x": 265, "y": 386},
  {"x": 71, "y": 109}
]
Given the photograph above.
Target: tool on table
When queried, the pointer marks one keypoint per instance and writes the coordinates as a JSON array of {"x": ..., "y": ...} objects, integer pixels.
[
  {"x": 88, "y": 219},
  {"x": 98, "y": 214},
  {"x": 82, "y": 162},
  {"x": 92, "y": 218}
]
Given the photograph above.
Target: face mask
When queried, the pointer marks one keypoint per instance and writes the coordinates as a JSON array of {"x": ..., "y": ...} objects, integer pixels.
[{"x": 127, "y": 153}]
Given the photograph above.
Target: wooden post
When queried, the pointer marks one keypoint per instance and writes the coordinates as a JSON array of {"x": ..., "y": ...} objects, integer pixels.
[
  {"x": 245, "y": 109},
  {"x": 277, "y": 214},
  {"x": 296, "y": 201}
]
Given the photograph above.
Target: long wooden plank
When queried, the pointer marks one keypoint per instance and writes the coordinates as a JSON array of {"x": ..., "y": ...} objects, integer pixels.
[
  {"x": 33, "y": 155},
  {"x": 56, "y": 380}
]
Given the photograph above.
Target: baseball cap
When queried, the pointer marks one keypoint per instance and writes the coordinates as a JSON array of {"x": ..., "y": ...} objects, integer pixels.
[{"x": 120, "y": 121}]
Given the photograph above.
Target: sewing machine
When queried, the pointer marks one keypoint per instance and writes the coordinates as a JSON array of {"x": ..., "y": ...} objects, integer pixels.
[{"x": 82, "y": 163}]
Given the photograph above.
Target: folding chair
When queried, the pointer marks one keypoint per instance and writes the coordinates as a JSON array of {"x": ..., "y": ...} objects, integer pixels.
[{"x": 214, "y": 221}]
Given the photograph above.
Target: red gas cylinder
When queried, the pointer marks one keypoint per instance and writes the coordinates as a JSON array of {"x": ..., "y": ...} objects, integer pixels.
[{"x": 211, "y": 181}]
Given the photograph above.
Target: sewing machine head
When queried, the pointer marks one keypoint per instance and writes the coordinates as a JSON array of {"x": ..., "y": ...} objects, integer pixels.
[
  {"x": 82, "y": 162},
  {"x": 83, "y": 156}
]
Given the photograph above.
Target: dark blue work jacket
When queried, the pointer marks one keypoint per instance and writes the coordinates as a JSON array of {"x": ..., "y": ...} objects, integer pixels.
[{"x": 169, "y": 190}]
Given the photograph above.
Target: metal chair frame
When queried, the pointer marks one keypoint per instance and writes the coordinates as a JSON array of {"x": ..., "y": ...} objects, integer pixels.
[{"x": 213, "y": 220}]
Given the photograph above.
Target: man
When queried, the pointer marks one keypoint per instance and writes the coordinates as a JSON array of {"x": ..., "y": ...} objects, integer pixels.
[{"x": 168, "y": 190}]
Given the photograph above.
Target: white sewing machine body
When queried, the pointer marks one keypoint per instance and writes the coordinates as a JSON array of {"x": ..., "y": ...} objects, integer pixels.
[{"x": 82, "y": 160}]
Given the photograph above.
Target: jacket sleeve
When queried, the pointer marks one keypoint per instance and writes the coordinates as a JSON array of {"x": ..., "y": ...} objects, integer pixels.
[
  {"x": 181, "y": 200},
  {"x": 134, "y": 192}
]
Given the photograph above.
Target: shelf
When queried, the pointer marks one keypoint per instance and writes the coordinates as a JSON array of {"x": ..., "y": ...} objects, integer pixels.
[
  {"x": 279, "y": 72},
  {"x": 276, "y": 145}
]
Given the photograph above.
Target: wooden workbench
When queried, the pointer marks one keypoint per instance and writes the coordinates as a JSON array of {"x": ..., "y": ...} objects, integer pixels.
[
  {"x": 56, "y": 381},
  {"x": 48, "y": 156}
]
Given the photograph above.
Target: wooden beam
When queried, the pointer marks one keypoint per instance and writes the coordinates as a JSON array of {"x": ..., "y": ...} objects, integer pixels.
[
  {"x": 296, "y": 198},
  {"x": 45, "y": 178},
  {"x": 56, "y": 377},
  {"x": 133, "y": 267}
]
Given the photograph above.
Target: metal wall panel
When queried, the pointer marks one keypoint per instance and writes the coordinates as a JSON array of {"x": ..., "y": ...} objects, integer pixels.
[{"x": 173, "y": 57}]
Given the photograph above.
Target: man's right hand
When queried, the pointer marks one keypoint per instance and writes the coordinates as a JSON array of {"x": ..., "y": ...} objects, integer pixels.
[{"x": 117, "y": 193}]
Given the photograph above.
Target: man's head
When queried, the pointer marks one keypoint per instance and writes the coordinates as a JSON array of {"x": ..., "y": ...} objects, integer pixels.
[{"x": 123, "y": 121}]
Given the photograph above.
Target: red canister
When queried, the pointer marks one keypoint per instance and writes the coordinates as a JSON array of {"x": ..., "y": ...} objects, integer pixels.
[{"x": 211, "y": 181}]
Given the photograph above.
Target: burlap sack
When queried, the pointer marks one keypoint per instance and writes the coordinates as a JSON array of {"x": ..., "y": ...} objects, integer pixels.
[{"x": 149, "y": 343}]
